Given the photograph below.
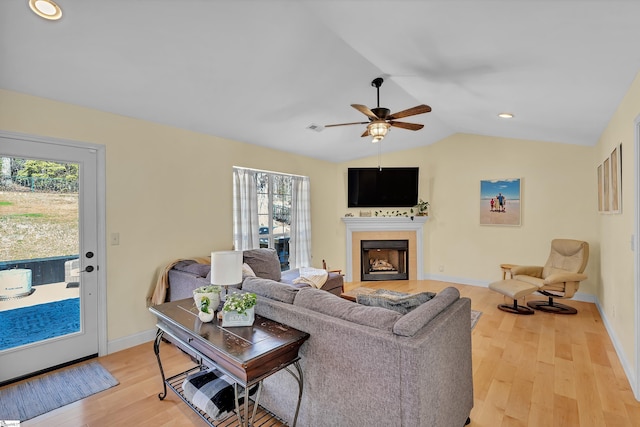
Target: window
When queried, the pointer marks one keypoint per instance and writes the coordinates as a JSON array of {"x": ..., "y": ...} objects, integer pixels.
[
  {"x": 273, "y": 210},
  {"x": 274, "y": 213}
]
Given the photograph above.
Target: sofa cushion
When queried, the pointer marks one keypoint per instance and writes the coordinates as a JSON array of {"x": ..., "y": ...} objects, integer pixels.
[
  {"x": 413, "y": 321},
  {"x": 332, "y": 305},
  {"x": 264, "y": 262},
  {"x": 397, "y": 301},
  {"x": 189, "y": 266},
  {"x": 270, "y": 289}
]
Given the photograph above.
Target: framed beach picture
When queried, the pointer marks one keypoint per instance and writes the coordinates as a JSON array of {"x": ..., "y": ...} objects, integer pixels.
[{"x": 500, "y": 202}]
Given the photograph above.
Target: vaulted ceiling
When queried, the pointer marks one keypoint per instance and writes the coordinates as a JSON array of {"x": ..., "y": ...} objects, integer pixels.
[{"x": 263, "y": 71}]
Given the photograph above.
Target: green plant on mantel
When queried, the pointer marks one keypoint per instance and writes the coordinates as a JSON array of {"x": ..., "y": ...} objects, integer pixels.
[
  {"x": 421, "y": 209},
  {"x": 392, "y": 213}
]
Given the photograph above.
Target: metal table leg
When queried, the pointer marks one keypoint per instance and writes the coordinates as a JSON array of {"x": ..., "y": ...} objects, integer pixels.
[
  {"x": 300, "y": 380},
  {"x": 156, "y": 350}
]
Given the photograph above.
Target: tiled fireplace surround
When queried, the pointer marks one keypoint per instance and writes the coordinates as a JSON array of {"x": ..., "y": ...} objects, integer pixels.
[{"x": 384, "y": 228}]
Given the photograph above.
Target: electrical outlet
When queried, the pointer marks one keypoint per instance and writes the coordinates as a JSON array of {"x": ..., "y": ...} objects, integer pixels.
[{"x": 115, "y": 239}]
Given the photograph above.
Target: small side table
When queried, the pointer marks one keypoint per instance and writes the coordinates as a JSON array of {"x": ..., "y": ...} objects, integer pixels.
[{"x": 506, "y": 268}]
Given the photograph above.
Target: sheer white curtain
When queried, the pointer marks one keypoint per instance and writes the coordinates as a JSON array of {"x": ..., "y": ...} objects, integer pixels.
[
  {"x": 300, "y": 242},
  {"x": 245, "y": 210}
]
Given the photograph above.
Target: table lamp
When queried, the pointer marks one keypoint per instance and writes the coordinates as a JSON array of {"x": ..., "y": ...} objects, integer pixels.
[{"x": 226, "y": 269}]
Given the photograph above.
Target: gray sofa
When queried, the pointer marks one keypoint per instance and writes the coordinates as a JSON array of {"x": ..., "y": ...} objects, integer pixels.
[
  {"x": 371, "y": 366},
  {"x": 186, "y": 275},
  {"x": 362, "y": 365}
]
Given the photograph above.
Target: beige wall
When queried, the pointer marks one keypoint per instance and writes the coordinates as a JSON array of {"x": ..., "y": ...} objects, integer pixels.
[
  {"x": 169, "y": 196},
  {"x": 616, "y": 293},
  {"x": 558, "y": 200},
  {"x": 169, "y": 193}
]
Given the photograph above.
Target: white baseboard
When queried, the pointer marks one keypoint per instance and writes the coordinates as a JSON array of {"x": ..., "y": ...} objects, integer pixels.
[
  {"x": 451, "y": 279},
  {"x": 130, "y": 341},
  {"x": 628, "y": 367}
]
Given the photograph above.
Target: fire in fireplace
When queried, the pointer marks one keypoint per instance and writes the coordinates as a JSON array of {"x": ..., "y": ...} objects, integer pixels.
[{"x": 384, "y": 260}]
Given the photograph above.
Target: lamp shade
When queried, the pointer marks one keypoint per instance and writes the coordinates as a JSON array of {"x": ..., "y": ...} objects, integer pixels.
[{"x": 226, "y": 268}]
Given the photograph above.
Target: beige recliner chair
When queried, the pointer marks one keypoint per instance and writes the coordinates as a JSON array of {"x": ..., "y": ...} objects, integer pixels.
[{"x": 560, "y": 277}]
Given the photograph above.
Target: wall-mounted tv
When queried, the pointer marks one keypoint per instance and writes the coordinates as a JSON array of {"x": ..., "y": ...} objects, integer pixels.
[{"x": 383, "y": 188}]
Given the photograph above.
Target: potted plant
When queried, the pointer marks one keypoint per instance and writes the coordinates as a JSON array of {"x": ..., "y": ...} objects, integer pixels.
[
  {"x": 422, "y": 208},
  {"x": 211, "y": 292},
  {"x": 205, "y": 313},
  {"x": 238, "y": 309}
]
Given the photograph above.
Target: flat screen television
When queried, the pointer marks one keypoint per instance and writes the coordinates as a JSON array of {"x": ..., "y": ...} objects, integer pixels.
[{"x": 386, "y": 188}]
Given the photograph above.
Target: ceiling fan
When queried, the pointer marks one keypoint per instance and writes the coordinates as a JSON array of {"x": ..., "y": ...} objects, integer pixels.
[{"x": 380, "y": 120}]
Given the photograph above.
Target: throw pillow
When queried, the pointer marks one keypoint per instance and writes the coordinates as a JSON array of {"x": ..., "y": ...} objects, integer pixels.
[
  {"x": 397, "y": 301},
  {"x": 247, "y": 271},
  {"x": 211, "y": 392},
  {"x": 189, "y": 266},
  {"x": 264, "y": 262}
]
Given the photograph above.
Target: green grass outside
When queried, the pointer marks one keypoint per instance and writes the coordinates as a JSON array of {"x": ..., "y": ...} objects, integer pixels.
[{"x": 38, "y": 225}]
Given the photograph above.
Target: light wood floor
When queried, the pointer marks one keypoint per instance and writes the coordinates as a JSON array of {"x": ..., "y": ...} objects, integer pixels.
[{"x": 541, "y": 370}]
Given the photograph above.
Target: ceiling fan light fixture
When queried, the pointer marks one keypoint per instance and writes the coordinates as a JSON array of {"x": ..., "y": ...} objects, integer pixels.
[
  {"x": 46, "y": 9},
  {"x": 378, "y": 130}
]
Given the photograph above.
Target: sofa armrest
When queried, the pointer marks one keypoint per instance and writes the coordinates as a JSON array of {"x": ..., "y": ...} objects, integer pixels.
[
  {"x": 409, "y": 324},
  {"x": 182, "y": 284}
]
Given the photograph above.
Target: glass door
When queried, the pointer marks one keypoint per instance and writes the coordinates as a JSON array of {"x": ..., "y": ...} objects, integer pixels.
[{"x": 48, "y": 259}]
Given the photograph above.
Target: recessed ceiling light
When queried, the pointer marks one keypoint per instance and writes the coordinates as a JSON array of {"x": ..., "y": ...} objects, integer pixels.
[
  {"x": 46, "y": 9},
  {"x": 505, "y": 115}
]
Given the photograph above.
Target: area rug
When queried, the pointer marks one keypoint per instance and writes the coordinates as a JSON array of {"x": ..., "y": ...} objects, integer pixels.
[
  {"x": 29, "y": 399},
  {"x": 26, "y": 325},
  {"x": 475, "y": 316}
]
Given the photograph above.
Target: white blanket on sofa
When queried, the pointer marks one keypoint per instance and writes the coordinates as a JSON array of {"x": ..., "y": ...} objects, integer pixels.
[{"x": 315, "y": 277}]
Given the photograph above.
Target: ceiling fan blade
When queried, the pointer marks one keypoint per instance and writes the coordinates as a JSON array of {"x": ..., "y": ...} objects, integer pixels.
[
  {"x": 366, "y": 111},
  {"x": 366, "y": 133},
  {"x": 404, "y": 125},
  {"x": 347, "y": 124},
  {"x": 418, "y": 109}
]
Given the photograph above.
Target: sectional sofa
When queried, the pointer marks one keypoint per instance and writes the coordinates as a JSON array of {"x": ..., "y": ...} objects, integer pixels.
[{"x": 369, "y": 366}]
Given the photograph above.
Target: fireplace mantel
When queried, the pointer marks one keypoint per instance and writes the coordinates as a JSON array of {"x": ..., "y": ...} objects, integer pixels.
[{"x": 383, "y": 224}]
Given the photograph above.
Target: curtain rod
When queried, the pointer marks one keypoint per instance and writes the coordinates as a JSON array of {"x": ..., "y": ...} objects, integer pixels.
[{"x": 272, "y": 172}]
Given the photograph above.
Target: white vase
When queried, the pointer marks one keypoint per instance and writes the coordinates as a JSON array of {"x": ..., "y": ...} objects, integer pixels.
[
  {"x": 233, "y": 318},
  {"x": 214, "y": 298},
  {"x": 205, "y": 317}
]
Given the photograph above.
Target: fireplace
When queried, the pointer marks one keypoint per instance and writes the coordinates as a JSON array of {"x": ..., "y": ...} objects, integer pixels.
[
  {"x": 384, "y": 260},
  {"x": 384, "y": 228}
]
